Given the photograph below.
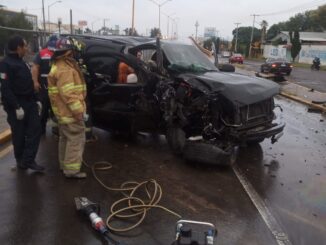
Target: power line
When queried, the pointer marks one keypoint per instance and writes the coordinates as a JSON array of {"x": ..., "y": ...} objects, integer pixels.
[{"x": 305, "y": 5}]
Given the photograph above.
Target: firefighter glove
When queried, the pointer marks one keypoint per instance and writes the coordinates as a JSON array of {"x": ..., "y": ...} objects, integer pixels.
[
  {"x": 39, "y": 107},
  {"x": 20, "y": 113}
]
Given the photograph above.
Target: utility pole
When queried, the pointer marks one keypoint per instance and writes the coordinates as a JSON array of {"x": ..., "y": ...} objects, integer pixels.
[
  {"x": 236, "y": 38},
  {"x": 196, "y": 25},
  {"x": 104, "y": 24},
  {"x": 252, "y": 33},
  {"x": 43, "y": 15},
  {"x": 71, "y": 21},
  {"x": 133, "y": 18}
]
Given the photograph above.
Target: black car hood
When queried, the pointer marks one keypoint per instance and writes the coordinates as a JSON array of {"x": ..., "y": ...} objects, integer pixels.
[{"x": 240, "y": 89}]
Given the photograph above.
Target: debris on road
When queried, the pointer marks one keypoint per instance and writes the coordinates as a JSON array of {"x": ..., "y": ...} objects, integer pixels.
[{"x": 314, "y": 110}]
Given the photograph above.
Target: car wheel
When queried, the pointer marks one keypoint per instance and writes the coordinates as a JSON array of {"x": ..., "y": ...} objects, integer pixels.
[
  {"x": 226, "y": 67},
  {"x": 288, "y": 73},
  {"x": 176, "y": 138},
  {"x": 255, "y": 142},
  {"x": 208, "y": 153}
]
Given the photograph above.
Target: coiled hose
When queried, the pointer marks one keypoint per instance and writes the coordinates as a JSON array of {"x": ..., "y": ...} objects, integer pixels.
[{"x": 132, "y": 205}]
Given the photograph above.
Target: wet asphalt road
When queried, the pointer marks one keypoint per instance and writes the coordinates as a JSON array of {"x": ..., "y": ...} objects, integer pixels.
[
  {"x": 289, "y": 176},
  {"x": 301, "y": 76}
]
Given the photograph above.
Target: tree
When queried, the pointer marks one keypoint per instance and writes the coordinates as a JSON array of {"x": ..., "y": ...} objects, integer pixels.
[
  {"x": 155, "y": 31},
  {"x": 263, "y": 25},
  {"x": 87, "y": 30},
  {"x": 313, "y": 20},
  {"x": 244, "y": 35},
  {"x": 129, "y": 32},
  {"x": 296, "y": 44},
  {"x": 17, "y": 21}
]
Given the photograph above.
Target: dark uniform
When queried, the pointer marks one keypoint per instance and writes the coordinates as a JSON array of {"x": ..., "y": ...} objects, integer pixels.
[
  {"x": 43, "y": 59},
  {"x": 17, "y": 91}
]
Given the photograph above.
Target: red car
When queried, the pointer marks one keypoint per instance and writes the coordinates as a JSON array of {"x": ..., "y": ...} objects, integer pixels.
[{"x": 236, "y": 58}]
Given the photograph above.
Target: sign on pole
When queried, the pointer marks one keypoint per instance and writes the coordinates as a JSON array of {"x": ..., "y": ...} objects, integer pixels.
[{"x": 82, "y": 23}]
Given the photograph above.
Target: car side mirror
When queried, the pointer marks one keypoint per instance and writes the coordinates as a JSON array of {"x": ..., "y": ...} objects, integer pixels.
[
  {"x": 132, "y": 78},
  {"x": 226, "y": 67}
]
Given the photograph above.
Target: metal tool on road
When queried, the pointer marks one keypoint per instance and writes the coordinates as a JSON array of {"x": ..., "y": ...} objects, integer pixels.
[
  {"x": 91, "y": 210},
  {"x": 186, "y": 236}
]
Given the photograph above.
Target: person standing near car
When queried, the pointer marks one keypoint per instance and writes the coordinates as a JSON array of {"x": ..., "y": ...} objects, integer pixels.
[
  {"x": 67, "y": 92},
  {"x": 40, "y": 71},
  {"x": 21, "y": 105}
]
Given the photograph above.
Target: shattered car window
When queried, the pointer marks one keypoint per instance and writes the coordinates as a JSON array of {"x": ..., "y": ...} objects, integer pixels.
[{"x": 187, "y": 58}]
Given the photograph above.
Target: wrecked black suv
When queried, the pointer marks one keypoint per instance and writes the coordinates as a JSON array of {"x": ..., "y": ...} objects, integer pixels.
[{"x": 177, "y": 91}]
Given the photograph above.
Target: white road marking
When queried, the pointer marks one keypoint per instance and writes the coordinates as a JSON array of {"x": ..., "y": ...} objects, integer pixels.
[{"x": 280, "y": 236}]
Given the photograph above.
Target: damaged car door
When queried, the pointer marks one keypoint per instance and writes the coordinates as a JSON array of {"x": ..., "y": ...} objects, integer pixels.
[{"x": 123, "y": 107}]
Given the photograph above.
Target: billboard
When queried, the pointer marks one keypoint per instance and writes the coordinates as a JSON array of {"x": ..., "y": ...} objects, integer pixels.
[
  {"x": 82, "y": 23},
  {"x": 210, "y": 32}
]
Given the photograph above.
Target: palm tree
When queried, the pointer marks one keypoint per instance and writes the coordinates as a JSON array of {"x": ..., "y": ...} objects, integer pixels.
[{"x": 264, "y": 25}]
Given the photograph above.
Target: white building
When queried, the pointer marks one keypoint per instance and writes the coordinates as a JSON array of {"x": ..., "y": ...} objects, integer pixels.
[{"x": 313, "y": 44}]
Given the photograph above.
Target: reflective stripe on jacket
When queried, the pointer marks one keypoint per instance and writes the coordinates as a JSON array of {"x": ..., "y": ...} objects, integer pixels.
[{"x": 67, "y": 90}]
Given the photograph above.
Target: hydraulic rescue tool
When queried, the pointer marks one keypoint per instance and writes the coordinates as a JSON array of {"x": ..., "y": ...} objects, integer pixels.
[
  {"x": 186, "y": 236},
  {"x": 91, "y": 210}
]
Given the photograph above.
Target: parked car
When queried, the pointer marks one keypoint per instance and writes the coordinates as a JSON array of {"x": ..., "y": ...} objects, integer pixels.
[
  {"x": 277, "y": 66},
  {"x": 236, "y": 58},
  {"x": 178, "y": 92}
]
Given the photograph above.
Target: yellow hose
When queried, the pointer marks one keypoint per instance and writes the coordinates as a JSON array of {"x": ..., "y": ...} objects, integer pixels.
[{"x": 133, "y": 205}]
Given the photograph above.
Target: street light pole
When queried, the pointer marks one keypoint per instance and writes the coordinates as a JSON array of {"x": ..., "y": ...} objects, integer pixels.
[
  {"x": 168, "y": 26},
  {"x": 175, "y": 32},
  {"x": 236, "y": 38},
  {"x": 133, "y": 18},
  {"x": 49, "y": 12},
  {"x": 196, "y": 25},
  {"x": 159, "y": 11},
  {"x": 43, "y": 15}
]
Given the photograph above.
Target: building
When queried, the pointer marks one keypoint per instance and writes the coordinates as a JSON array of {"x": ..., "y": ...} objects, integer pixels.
[
  {"x": 313, "y": 44},
  {"x": 30, "y": 17}
]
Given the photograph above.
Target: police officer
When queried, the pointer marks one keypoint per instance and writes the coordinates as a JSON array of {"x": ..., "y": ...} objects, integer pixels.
[
  {"x": 40, "y": 70},
  {"x": 19, "y": 101}
]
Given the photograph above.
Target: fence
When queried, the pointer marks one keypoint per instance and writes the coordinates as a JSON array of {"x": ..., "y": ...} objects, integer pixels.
[{"x": 35, "y": 39}]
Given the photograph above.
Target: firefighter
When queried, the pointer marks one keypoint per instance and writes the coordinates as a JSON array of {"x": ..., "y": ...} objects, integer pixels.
[
  {"x": 40, "y": 70},
  {"x": 21, "y": 105},
  {"x": 67, "y": 93}
]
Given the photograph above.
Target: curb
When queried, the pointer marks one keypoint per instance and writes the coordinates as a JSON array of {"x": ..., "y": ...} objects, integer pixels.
[
  {"x": 306, "y": 102},
  {"x": 5, "y": 136}
]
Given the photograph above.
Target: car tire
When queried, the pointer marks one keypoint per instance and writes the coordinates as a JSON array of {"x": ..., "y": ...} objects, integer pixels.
[
  {"x": 288, "y": 73},
  {"x": 176, "y": 139},
  {"x": 207, "y": 153},
  {"x": 255, "y": 142}
]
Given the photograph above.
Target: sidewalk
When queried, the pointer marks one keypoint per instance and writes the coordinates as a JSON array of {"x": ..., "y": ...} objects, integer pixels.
[
  {"x": 5, "y": 133},
  {"x": 3, "y": 120}
]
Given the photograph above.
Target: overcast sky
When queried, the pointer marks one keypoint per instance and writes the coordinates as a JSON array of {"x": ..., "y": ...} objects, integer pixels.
[{"x": 209, "y": 13}]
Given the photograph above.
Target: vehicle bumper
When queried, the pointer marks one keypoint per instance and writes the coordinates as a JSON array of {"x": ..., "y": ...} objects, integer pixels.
[
  {"x": 275, "y": 132},
  {"x": 281, "y": 72}
]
